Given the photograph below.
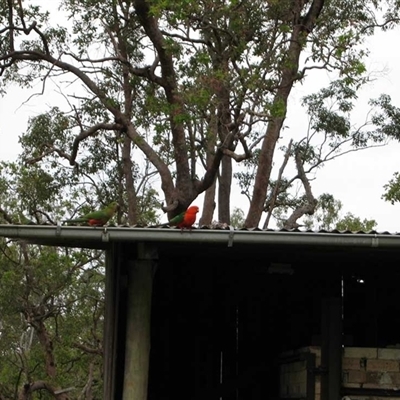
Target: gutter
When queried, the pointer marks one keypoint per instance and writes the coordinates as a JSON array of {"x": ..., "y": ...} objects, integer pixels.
[{"x": 81, "y": 236}]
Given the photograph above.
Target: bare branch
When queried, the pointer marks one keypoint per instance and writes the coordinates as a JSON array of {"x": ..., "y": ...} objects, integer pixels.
[
  {"x": 93, "y": 130},
  {"x": 66, "y": 390},
  {"x": 275, "y": 192},
  {"x": 170, "y": 85},
  {"x": 307, "y": 208},
  {"x": 93, "y": 60},
  {"x": 171, "y": 207},
  {"x": 382, "y": 25},
  {"x": 87, "y": 349},
  {"x": 46, "y": 215},
  {"x": 11, "y": 24},
  {"x": 236, "y": 157},
  {"x": 184, "y": 38},
  {"x": 30, "y": 388},
  {"x": 6, "y": 216}
]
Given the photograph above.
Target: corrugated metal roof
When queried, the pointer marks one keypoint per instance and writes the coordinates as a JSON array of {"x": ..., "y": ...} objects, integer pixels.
[
  {"x": 224, "y": 226},
  {"x": 82, "y": 236}
]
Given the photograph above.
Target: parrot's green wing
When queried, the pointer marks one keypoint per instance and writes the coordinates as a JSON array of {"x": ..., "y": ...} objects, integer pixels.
[
  {"x": 25, "y": 221},
  {"x": 173, "y": 221},
  {"x": 177, "y": 219},
  {"x": 102, "y": 216}
]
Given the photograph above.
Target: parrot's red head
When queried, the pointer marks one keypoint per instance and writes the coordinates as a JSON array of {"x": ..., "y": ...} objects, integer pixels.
[
  {"x": 192, "y": 210},
  {"x": 189, "y": 218}
]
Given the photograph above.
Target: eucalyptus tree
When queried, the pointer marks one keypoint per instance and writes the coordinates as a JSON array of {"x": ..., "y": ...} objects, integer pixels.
[
  {"x": 51, "y": 307},
  {"x": 193, "y": 86},
  {"x": 52, "y": 299},
  {"x": 328, "y": 216}
]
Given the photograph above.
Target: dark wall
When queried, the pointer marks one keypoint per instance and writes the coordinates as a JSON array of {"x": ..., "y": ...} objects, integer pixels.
[
  {"x": 220, "y": 318},
  {"x": 371, "y": 302},
  {"x": 220, "y": 323}
]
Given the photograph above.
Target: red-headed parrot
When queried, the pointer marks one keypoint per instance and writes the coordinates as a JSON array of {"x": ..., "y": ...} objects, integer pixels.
[
  {"x": 96, "y": 218},
  {"x": 185, "y": 219}
]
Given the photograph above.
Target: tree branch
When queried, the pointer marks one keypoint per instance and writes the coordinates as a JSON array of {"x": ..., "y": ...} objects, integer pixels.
[
  {"x": 93, "y": 130},
  {"x": 32, "y": 387},
  {"x": 275, "y": 192},
  {"x": 311, "y": 203},
  {"x": 6, "y": 216},
  {"x": 87, "y": 349},
  {"x": 170, "y": 85}
]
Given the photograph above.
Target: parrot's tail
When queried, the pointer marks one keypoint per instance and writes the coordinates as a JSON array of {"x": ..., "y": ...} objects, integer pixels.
[
  {"x": 76, "y": 220},
  {"x": 159, "y": 225}
]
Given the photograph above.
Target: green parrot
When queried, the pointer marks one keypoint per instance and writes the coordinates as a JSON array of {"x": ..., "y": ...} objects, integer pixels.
[
  {"x": 96, "y": 218},
  {"x": 25, "y": 221},
  {"x": 183, "y": 220}
]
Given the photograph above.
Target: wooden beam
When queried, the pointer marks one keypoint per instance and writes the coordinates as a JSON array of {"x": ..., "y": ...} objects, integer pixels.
[
  {"x": 137, "y": 349},
  {"x": 331, "y": 348},
  {"x": 310, "y": 365},
  {"x": 335, "y": 349},
  {"x": 111, "y": 318}
]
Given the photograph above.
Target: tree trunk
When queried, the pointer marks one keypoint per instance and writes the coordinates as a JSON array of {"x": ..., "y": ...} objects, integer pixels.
[
  {"x": 226, "y": 138},
  {"x": 129, "y": 181},
  {"x": 224, "y": 190},
  {"x": 289, "y": 75},
  {"x": 184, "y": 184},
  {"x": 47, "y": 344},
  {"x": 209, "y": 196},
  {"x": 208, "y": 206},
  {"x": 127, "y": 144}
]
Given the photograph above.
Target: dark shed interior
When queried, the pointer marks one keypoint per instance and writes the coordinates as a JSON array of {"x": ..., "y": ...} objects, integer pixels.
[{"x": 221, "y": 318}]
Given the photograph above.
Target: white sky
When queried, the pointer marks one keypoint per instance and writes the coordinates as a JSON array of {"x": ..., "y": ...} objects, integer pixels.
[{"x": 356, "y": 179}]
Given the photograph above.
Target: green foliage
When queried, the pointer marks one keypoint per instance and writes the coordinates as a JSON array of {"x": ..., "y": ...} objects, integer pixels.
[
  {"x": 149, "y": 204},
  {"x": 392, "y": 189},
  {"x": 327, "y": 213},
  {"x": 56, "y": 291},
  {"x": 388, "y": 124},
  {"x": 387, "y": 120},
  {"x": 237, "y": 218},
  {"x": 329, "y": 111},
  {"x": 354, "y": 224},
  {"x": 328, "y": 217},
  {"x": 57, "y": 295}
]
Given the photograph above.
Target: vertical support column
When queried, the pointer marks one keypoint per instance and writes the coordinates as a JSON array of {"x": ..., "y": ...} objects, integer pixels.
[
  {"x": 331, "y": 348},
  {"x": 310, "y": 365},
  {"x": 335, "y": 349},
  {"x": 137, "y": 350},
  {"x": 111, "y": 321}
]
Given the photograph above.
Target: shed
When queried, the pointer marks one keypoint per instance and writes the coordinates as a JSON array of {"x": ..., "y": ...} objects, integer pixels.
[{"x": 226, "y": 314}]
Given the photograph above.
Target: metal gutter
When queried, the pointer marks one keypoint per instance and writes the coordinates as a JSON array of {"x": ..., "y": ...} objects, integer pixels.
[{"x": 79, "y": 236}]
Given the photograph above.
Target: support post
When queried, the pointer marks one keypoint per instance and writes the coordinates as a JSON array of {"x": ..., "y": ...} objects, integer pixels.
[
  {"x": 331, "y": 349},
  {"x": 137, "y": 349},
  {"x": 112, "y": 295}
]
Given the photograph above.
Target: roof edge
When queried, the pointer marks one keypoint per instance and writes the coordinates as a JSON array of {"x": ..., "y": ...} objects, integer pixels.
[{"x": 64, "y": 235}]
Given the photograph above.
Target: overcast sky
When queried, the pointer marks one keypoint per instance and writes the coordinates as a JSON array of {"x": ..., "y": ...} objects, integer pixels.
[{"x": 356, "y": 179}]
